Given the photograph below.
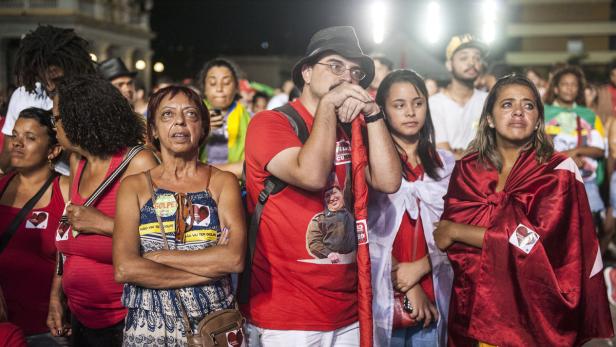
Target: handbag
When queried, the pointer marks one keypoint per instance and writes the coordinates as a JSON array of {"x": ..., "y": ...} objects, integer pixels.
[
  {"x": 402, "y": 305},
  {"x": 219, "y": 328},
  {"x": 402, "y": 312}
]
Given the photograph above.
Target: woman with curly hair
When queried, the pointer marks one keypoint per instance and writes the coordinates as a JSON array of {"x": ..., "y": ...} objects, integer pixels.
[
  {"x": 185, "y": 268},
  {"x": 225, "y": 144},
  {"x": 98, "y": 126},
  {"x": 519, "y": 234}
]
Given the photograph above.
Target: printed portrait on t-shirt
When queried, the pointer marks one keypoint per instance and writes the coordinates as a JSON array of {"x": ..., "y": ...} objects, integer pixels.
[
  {"x": 331, "y": 236},
  {"x": 63, "y": 228},
  {"x": 37, "y": 220},
  {"x": 201, "y": 214}
]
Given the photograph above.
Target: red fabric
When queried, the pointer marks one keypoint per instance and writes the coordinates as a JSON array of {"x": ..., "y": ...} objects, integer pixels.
[
  {"x": 88, "y": 280},
  {"x": 506, "y": 297},
  {"x": 11, "y": 336},
  {"x": 27, "y": 264},
  {"x": 360, "y": 193},
  {"x": 411, "y": 236},
  {"x": 286, "y": 292},
  {"x": 613, "y": 95}
]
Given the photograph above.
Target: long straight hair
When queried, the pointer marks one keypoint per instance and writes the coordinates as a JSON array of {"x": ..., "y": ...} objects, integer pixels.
[
  {"x": 426, "y": 147},
  {"x": 485, "y": 140}
]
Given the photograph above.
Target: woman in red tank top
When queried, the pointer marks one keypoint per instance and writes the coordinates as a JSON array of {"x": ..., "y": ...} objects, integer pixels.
[
  {"x": 402, "y": 250},
  {"x": 28, "y": 261},
  {"x": 97, "y": 125}
]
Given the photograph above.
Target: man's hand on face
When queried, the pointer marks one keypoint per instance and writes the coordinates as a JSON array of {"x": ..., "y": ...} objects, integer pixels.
[{"x": 349, "y": 100}]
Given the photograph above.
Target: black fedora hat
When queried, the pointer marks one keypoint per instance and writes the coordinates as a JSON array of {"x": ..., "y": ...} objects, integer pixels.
[
  {"x": 113, "y": 68},
  {"x": 340, "y": 40}
]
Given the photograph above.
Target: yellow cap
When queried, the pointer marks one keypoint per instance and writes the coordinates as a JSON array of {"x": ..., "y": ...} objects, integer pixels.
[{"x": 464, "y": 41}]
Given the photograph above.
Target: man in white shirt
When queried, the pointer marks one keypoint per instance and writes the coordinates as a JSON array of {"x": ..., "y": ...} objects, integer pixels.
[
  {"x": 21, "y": 100},
  {"x": 455, "y": 111},
  {"x": 44, "y": 55}
]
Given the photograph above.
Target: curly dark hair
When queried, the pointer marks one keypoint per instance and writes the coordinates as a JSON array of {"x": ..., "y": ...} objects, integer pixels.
[
  {"x": 96, "y": 117},
  {"x": 550, "y": 95},
  {"x": 51, "y": 46},
  {"x": 171, "y": 91}
]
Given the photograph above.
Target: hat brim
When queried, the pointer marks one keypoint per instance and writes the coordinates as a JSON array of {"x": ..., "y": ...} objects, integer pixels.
[
  {"x": 123, "y": 74},
  {"x": 365, "y": 62},
  {"x": 482, "y": 47}
]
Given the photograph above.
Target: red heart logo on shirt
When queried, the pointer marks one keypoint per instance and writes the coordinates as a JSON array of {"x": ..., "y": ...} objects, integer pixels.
[
  {"x": 235, "y": 339},
  {"x": 62, "y": 228},
  {"x": 37, "y": 218}
]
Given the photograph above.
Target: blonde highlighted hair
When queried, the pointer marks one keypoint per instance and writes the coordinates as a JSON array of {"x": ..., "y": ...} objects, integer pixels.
[{"x": 485, "y": 140}]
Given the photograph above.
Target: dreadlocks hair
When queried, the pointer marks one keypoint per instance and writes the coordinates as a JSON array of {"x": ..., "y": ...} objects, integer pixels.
[
  {"x": 96, "y": 117},
  {"x": 51, "y": 46}
]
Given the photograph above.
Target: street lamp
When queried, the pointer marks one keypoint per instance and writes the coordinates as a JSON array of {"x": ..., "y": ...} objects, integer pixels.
[
  {"x": 433, "y": 26},
  {"x": 490, "y": 16},
  {"x": 159, "y": 67},
  {"x": 378, "y": 15},
  {"x": 140, "y": 64}
]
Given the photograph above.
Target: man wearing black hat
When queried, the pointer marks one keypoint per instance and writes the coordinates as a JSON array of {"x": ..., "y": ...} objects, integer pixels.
[
  {"x": 114, "y": 71},
  {"x": 455, "y": 111},
  {"x": 297, "y": 298}
]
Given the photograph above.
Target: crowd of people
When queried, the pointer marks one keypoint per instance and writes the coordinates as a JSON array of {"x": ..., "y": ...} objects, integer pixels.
[{"x": 134, "y": 220}]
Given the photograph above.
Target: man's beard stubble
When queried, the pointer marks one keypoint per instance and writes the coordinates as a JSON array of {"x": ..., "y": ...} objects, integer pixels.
[{"x": 469, "y": 82}]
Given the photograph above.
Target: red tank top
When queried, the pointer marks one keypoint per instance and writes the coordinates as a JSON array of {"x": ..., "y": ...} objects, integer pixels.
[
  {"x": 410, "y": 242},
  {"x": 88, "y": 280},
  {"x": 27, "y": 264}
]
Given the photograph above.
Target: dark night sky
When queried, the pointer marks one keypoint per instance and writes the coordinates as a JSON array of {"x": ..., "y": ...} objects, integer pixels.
[{"x": 189, "y": 32}]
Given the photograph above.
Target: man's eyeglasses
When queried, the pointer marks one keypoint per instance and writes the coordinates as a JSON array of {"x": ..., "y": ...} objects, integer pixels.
[
  {"x": 55, "y": 119},
  {"x": 338, "y": 69}
]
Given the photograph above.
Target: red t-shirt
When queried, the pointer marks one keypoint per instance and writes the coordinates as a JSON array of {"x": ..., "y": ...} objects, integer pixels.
[
  {"x": 88, "y": 280},
  {"x": 11, "y": 336},
  {"x": 27, "y": 264},
  {"x": 410, "y": 242},
  {"x": 294, "y": 283}
]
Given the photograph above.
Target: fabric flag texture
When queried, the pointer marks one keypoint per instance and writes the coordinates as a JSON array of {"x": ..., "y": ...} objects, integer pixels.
[{"x": 359, "y": 160}]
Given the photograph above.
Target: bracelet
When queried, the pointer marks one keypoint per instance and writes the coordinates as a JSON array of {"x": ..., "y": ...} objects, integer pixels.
[{"x": 374, "y": 118}]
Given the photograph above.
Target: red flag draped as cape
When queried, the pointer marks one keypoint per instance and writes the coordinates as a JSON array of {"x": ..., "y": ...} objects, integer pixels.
[
  {"x": 359, "y": 160},
  {"x": 552, "y": 296}
]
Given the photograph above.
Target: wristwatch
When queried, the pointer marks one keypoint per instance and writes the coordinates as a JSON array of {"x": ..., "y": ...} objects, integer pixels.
[{"x": 374, "y": 118}]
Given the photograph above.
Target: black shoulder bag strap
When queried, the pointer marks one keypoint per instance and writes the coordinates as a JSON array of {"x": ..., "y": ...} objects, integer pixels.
[
  {"x": 98, "y": 192},
  {"x": 12, "y": 228},
  {"x": 272, "y": 185},
  {"x": 110, "y": 179}
]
